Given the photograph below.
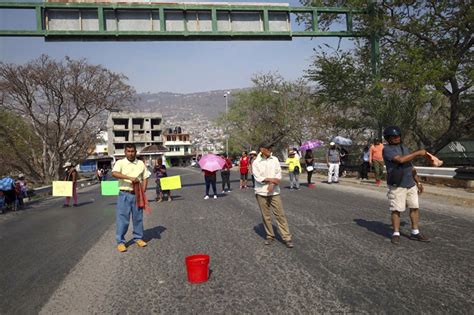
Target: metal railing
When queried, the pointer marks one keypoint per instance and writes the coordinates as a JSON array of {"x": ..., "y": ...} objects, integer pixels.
[
  {"x": 47, "y": 190},
  {"x": 439, "y": 172}
]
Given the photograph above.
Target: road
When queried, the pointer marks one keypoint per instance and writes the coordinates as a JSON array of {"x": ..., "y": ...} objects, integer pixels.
[{"x": 57, "y": 260}]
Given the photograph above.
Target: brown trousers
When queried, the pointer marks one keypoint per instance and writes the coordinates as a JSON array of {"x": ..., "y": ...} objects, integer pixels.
[{"x": 274, "y": 203}]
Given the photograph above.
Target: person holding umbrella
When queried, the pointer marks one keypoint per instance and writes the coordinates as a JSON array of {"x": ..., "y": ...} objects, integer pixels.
[
  {"x": 210, "y": 164},
  {"x": 309, "y": 160},
  {"x": 210, "y": 180},
  {"x": 308, "y": 146}
]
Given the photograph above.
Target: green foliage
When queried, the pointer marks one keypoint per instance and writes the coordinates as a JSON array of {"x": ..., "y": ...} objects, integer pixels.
[
  {"x": 426, "y": 73},
  {"x": 273, "y": 110},
  {"x": 21, "y": 147}
]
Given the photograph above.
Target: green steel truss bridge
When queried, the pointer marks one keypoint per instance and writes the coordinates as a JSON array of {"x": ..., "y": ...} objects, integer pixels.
[{"x": 99, "y": 21}]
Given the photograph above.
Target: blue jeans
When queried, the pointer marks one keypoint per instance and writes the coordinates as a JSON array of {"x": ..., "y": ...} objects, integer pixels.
[
  {"x": 126, "y": 204},
  {"x": 210, "y": 180}
]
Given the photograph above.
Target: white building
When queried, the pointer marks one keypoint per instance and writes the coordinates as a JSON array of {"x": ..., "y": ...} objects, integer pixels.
[{"x": 179, "y": 145}]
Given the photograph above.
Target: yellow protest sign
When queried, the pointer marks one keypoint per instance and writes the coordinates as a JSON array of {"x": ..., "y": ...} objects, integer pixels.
[
  {"x": 170, "y": 183},
  {"x": 62, "y": 188}
]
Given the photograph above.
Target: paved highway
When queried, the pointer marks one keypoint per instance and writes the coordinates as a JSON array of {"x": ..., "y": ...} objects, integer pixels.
[{"x": 57, "y": 260}]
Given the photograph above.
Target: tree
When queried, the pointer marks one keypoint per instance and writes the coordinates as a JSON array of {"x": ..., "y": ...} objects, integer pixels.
[
  {"x": 20, "y": 147},
  {"x": 273, "y": 110},
  {"x": 64, "y": 103},
  {"x": 425, "y": 71}
]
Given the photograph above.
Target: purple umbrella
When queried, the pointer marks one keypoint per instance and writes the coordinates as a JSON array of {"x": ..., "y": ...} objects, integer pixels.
[
  {"x": 311, "y": 144},
  {"x": 211, "y": 162}
]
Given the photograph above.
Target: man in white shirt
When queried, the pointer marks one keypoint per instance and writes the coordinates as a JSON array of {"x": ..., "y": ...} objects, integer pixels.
[{"x": 267, "y": 171}]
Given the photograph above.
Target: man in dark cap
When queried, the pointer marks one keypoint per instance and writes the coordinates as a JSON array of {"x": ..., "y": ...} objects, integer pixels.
[
  {"x": 267, "y": 171},
  {"x": 403, "y": 183}
]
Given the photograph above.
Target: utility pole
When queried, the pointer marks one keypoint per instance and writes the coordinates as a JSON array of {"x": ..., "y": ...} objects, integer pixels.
[{"x": 226, "y": 95}]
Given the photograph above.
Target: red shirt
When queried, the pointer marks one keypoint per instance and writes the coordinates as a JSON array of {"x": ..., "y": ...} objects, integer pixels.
[
  {"x": 244, "y": 165},
  {"x": 207, "y": 173},
  {"x": 228, "y": 164}
]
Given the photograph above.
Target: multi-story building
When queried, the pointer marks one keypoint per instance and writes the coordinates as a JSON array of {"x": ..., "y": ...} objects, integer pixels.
[
  {"x": 97, "y": 157},
  {"x": 179, "y": 145},
  {"x": 143, "y": 129}
]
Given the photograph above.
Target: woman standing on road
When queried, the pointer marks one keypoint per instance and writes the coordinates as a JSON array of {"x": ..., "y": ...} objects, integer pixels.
[
  {"x": 244, "y": 169},
  {"x": 294, "y": 169},
  {"x": 160, "y": 172},
  {"x": 70, "y": 174},
  {"x": 210, "y": 179},
  {"x": 309, "y": 159}
]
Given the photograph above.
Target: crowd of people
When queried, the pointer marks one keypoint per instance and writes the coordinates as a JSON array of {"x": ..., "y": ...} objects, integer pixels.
[
  {"x": 263, "y": 170},
  {"x": 12, "y": 193}
]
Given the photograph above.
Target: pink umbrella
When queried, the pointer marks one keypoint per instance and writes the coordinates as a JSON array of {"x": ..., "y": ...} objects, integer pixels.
[
  {"x": 311, "y": 144},
  {"x": 211, "y": 162}
]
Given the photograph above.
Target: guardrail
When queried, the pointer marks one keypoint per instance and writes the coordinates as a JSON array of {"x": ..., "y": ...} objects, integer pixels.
[
  {"x": 439, "y": 172},
  {"x": 47, "y": 190}
]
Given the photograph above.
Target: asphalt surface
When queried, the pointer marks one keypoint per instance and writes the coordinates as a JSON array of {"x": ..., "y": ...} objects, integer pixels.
[
  {"x": 41, "y": 244},
  {"x": 58, "y": 260}
]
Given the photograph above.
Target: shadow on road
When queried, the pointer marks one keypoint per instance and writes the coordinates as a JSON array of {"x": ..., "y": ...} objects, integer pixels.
[
  {"x": 378, "y": 227},
  {"x": 218, "y": 183},
  {"x": 80, "y": 204},
  {"x": 260, "y": 230},
  {"x": 153, "y": 233}
]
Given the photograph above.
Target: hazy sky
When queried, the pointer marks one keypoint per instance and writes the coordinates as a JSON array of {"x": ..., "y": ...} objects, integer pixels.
[{"x": 181, "y": 67}]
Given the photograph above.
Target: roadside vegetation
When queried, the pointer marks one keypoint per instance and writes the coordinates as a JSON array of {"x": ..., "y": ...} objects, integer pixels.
[{"x": 424, "y": 84}]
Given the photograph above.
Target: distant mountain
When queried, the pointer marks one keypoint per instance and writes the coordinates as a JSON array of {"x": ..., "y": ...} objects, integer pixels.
[{"x": 194, "y": 113}]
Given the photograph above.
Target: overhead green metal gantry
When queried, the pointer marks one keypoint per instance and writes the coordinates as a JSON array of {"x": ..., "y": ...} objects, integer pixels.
[
  {"x": 176, "y": 20},
  {"x": 56, "y": 21}
]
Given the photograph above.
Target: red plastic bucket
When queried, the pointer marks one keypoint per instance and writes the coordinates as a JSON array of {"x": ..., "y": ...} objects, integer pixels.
[{"x": 197, "y": 267}]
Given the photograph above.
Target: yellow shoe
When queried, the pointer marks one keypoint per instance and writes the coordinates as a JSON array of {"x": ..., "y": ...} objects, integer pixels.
[
  {"x": 121, "y": 248},
  {"x": 141, "y": 243}
]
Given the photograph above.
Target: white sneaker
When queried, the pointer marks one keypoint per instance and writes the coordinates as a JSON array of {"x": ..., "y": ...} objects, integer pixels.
[
  {"x": 223, "y": 192},
  {"x": 207, "y": 197},
  {"x": 215, "y": 196}
]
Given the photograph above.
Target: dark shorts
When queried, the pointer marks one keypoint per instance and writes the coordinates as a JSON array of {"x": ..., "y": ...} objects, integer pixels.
[{"x": 244, "y": 176}]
